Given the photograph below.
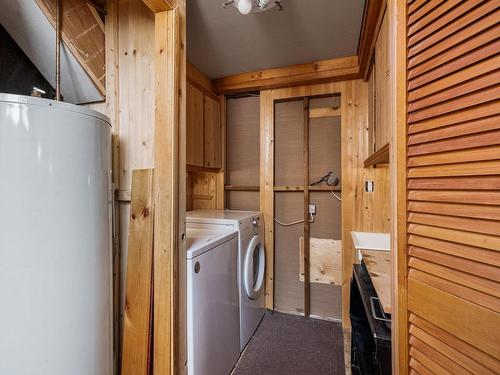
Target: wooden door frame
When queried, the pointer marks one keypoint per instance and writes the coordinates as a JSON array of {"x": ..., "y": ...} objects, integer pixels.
[
  {"x": 169, "y": 282},
  {"x": 396, "y": 10}
]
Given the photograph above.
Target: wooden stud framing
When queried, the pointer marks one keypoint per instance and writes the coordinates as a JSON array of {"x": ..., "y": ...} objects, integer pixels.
[
  {"x": 266, "y": 187},
  {"x": 169, "y": 188},
  {"x": 348, "y": 108},
  {"x": 307, "y": 281}
]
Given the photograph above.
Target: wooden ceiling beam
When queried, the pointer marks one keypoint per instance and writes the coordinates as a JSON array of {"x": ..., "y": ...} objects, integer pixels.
[
  {"x": 372, "y": 19},
  {"x": 157, "y": 6},
  {"x": 340, "y": 69}
]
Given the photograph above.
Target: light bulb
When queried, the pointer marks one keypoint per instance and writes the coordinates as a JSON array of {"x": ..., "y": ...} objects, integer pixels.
[{"x": 245, "y": 6}]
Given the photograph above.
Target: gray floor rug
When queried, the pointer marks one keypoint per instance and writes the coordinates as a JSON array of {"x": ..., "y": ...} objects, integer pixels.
[{"x": 292, "y": 345}]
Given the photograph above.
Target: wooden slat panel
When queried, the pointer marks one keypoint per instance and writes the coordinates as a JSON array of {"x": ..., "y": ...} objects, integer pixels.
[
  {"x": 440, "y": 344},
  {"x": 471, "y": 127},
  {"x": 479, "y": 298},
  {"x": 482, "y": 168},
  {"x": 414, "y": 5},
  {"x": 454, "y": 276},
  {"x": 455, "y": 59},
  {"x": 428, "y": 362},
  {"x": 422, "y": 11},
  {"x": 456, "y": 249},
  {"x": 457, "y": 91},
  {"x": 473, "y": 113},
  {"x": 437, "y": 357},
  {"x": 466, "y": 101},
  {"x": 439, "y": 18},
  {"x": 461, "y": 210},
  {"x": 450, "y": 40},
  {"x": 419, "y": 368},
  {"x": 453, "y": 187},
  {"x": 478, "y": 154},
  {"x": 470, "y": 197},
  {"x": 467, "y": 238},
  {"x": 457, "y": 143},
  {"x": 463, "y": 83},
  {"x": 465, "y": 265},
  {"x": 456, "y": 316},
  {"x": 467, "y": 224},
  {"x": 455, "y": 32},
  {"x": 465, "y": 348},
  {"x": 456, "y": 183}
]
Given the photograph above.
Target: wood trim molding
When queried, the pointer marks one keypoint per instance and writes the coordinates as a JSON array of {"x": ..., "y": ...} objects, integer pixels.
[
  {"x": 157, "y": 6},
  {"x": 372, "y": 19},
  {"x": 340, "y": 69},
  {"x": 398, "y": 177}
]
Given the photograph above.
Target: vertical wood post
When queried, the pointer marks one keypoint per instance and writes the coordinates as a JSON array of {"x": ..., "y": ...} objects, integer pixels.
[
  {"x": 266, "y": 187},
  {"x": 307, "y": 284},
  {"x": 166, "y": 189}
]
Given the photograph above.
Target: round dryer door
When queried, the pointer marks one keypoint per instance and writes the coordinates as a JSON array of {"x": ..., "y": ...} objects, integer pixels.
[{"x": 254, "y": 267}]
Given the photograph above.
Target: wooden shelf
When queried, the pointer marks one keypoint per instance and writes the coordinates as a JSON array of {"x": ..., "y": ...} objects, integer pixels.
[
  {"x": 241, "y": 188},
  {"x": 310, "y": 188},
  {"x": 381, "y": 156},
  {"x": 196, "y": 168}
]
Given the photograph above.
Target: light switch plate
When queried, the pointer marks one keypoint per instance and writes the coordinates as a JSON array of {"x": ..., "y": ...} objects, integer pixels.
[{"x": 369, "y": 186}]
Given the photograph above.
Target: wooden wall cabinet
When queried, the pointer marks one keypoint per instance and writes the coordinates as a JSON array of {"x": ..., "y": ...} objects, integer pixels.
[
  {"x": 194, "y": 126},
  {"x": 213, "y": 149},
  {"x": 203, "y": 133},
  {"x": 379, "y": 93}
]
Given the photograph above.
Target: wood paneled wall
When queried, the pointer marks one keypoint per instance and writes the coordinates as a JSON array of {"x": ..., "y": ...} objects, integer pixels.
[{"x": 453, "y": 182}]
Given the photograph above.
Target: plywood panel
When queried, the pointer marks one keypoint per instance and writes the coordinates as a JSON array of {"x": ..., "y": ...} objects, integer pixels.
[
  {"x": 242, "y": 141},
  {"x": 325, "y": 260}
]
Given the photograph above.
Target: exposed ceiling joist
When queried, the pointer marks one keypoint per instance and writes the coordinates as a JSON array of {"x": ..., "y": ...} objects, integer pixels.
[
  {"x": 82, "y": 31},
  {"x": 160, "y": 5},
  {"x": 339, "y": 69}
]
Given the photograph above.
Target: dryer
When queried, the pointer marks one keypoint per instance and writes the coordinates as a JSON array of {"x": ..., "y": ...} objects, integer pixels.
[
  {"x": 213, "y": 328},
  {"x": 251, "y": 261}
]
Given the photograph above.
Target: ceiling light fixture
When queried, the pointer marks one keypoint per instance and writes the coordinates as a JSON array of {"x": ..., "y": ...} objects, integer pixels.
[{"x": 253, "y": 6}]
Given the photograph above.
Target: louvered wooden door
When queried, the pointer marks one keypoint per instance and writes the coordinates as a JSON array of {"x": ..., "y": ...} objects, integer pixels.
[{"x": 453, "y": 182}]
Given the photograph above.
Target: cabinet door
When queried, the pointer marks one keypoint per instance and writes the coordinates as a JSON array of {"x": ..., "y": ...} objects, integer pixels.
[
  {"x": 212, "y": 133},
  {"x": 194, "y": 126}
]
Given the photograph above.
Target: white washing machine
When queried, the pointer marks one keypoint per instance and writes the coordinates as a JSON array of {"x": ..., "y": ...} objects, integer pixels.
[
  {"x": 251, "y": 261},
  {"x": 213, "y": 323}
]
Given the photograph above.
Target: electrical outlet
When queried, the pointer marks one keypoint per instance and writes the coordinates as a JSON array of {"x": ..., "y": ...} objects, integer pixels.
[
  {"x": 312, "y": 209},
  {"x": 369, "y": 186}
]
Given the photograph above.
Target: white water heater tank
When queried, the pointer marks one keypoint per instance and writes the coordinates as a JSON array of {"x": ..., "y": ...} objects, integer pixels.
[{"x": 55, "y": 239}]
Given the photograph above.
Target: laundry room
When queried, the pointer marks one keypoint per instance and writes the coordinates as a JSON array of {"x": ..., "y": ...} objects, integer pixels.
[{"x": 247, "y": 187}]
